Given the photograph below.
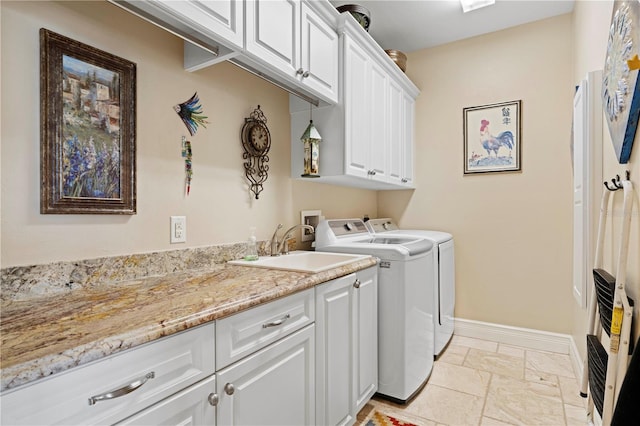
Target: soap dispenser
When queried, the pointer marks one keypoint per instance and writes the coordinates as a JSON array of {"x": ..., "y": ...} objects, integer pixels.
[{"x": 252, "y": 249}]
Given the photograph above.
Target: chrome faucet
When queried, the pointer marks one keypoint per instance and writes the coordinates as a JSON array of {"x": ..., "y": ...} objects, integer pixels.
[{"x": 283, "y": 246}]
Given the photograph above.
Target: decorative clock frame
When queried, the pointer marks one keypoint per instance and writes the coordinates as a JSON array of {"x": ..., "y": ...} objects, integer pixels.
[
  {"x": 256, "y": 141},
  {"x": 620, "y": 82}
]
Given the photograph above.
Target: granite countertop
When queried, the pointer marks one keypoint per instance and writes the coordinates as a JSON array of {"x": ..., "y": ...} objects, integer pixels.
[{"x": 49, "y": 335}]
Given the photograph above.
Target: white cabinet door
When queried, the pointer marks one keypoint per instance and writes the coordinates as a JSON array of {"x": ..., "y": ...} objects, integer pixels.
[
  {"x": 334, "y": 351},
  {"x": 319, "y": 54},
  {"x": 365, "y": 337},
  {"x": 222, "y": 18},
  {"x": 377, "y": 110},
  {"x": 346, "y": 346},
  {"x": 273, "y": 33},
  {"x": 396, "y": 132},
  {"x": 208, "y": 21},
  {"x": 193, "y": 406},
  {"x": 274, "y": 386},
  {"x": 356, "y": 104},
  {"x": 407, "y": 152}
]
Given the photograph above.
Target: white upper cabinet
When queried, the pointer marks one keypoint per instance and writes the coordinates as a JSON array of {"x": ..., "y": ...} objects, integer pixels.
[
  {"x": 290, "y": 37},
  {"x": 318, "y": 54},
  {"x": 273, "y": 33},
  {"x": 368, "y": 137},
  {"x": 291, "y": 43},
  {"x": 213, "y": 30}
]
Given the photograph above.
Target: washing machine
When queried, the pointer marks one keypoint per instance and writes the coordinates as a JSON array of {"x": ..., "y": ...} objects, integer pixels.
[
  {"x": 405, "y": 301},
  {"x": 445, "y": 274}
]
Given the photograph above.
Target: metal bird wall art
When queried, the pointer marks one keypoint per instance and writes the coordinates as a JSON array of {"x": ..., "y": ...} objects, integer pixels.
[{"x": 190, "y": 111}]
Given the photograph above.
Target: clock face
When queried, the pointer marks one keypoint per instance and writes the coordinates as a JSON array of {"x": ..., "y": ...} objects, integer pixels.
[{"x": 259, "y": 137}]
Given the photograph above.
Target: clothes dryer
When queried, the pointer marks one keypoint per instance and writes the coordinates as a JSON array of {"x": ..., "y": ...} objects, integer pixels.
[
  {"x": 445, "y": 274},
  {"x": 405, "y": 301}
]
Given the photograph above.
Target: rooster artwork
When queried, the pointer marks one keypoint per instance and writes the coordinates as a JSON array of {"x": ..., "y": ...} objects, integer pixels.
[{"x": 491, "y": 143}]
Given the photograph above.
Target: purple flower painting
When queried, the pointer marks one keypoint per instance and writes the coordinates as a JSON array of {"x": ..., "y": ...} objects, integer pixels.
[{"x": 91, "y": 131}]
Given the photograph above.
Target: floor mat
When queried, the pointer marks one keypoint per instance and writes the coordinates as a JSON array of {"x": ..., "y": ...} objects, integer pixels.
[{"x": 377, "y": 418}]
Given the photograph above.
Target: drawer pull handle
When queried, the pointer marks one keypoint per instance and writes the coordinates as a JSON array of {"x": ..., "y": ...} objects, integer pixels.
[
  {"x": 229, "y": 389},
  {"x": 356, "y": 284},
  {"x": 276, "y": 322},
  {"x": 123, "y": 390}
]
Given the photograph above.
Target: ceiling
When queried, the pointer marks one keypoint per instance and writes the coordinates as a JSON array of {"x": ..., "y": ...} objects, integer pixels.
[{"x": 409, "y": 25}]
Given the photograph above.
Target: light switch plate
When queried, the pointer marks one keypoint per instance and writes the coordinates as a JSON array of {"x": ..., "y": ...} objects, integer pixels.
[{"x": 178, "y": 229}]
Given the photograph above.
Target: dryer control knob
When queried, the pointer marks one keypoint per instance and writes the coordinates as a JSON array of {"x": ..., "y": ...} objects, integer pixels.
[{"x": 348, "y": 226}]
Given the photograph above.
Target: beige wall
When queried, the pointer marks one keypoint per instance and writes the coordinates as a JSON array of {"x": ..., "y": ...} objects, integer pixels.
[
  {"x": 219, "y": 209},
  {"x": 512, "y": 230},
  {"x": 590, "y": 32}
]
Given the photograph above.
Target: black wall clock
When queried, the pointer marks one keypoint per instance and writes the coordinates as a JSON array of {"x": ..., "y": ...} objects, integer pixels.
[{"x": 256, "y": 141}]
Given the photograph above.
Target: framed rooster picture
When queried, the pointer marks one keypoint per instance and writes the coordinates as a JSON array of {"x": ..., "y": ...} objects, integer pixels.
[{"x": 492, "y": 138}]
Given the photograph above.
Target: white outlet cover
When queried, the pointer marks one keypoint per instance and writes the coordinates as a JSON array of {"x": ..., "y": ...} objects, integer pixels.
[{"x": 178, "y": 229}]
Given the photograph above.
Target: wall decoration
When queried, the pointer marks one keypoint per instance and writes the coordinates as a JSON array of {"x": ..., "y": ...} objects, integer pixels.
[
  {"x": 87, "y": 129},
  {"x": 187, "y": 154},
  {"x": 190, "y": 112},
  {"x": 256, "y": 141},
  {"x": 620, "y": 82},
  {"x": 492, "y": 141}
]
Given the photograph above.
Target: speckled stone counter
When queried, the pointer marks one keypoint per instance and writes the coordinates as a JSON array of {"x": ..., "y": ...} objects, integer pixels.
[{"x": 46, "y": 335}]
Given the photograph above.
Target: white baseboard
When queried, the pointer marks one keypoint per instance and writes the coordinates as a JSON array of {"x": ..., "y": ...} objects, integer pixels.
[{"x": 525, "y": 337}]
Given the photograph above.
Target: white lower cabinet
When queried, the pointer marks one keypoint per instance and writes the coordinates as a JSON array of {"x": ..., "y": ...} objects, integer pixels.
[
  {"x": 275, "y": 364},
  {"x": 192, "y": 406},
  {"x": 114, "y": 388},
  {"x": 273, "y": 386},
  {"x": 346, "y": 346}
]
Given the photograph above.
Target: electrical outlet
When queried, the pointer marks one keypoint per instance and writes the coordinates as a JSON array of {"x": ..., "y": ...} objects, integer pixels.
[{"x": 178, "y": 229}]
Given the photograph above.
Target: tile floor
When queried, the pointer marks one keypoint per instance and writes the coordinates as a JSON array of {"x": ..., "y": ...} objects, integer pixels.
[{"x": 480, "y": 382}]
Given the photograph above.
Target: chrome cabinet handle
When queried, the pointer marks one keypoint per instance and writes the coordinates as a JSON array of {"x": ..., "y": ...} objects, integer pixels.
[
  {"x": 300, "y": 71},
  {"x": 213, "y": 399},
  {"x": 306, "y": 74},
  {"x": 276, "y": 322},
  {"x": 371, "y": 172},
  {"x": 356, "y": 284},
  {"x": 405, "y": 180},
  {"x": 229, "y": 389},
  {"x": 123, "y": 390}
]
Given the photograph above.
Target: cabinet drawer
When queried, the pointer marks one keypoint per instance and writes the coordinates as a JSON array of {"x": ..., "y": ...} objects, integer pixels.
[
  {"x": 241, "y": 334},
  {"x": 176, "y": 362}
]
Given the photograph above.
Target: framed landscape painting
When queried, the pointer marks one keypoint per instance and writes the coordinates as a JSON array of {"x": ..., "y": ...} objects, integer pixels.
[
  {"x": 492, "y": 138},
  {"x": 87, "y": 129}
]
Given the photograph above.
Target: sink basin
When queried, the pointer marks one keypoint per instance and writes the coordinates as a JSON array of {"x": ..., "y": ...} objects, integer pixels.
[{"x": 302, "y": 261}]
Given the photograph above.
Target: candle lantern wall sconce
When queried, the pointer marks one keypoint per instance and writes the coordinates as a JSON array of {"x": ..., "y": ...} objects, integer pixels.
[{"x": 311, "y": 139}]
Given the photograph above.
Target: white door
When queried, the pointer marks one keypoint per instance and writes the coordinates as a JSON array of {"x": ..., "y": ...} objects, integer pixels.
[
  {"x": 357, "y": 113},
  {"x": 580, "y": 207},
  {"x": 274, "y": 386},
  {"x": 319, "y": 54},
  {"x": 273, "y": 33},
  {"x": 407, "y": 153},
  {"x": 395, "y": 113},
  {"x": 365, "y": 337},
  {"x": 334, "y": 342},
  {"x": 377, "y": 108}
]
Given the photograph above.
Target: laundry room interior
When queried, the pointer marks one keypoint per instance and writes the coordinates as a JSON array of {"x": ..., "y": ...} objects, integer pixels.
[{"x": 82, "y": 288}]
